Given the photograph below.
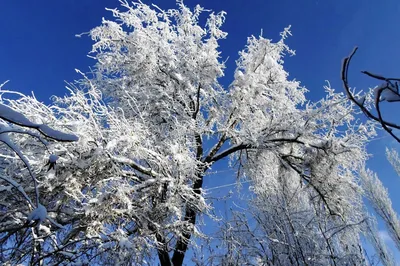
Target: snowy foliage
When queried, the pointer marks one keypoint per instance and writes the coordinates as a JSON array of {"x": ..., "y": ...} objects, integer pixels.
[
  {"x": 149, "y": 123},
  {"x": 378, "y": 197},
  {"x": 19, "y": 156},
  {"x": 393, "y": 157}
]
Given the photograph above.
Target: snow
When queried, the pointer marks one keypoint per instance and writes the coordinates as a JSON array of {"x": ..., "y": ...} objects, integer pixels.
[
  {"x": 5, "y": 188},
  {"x": 15, "y": 117},
  {"x": 53, "y": 158},
  {"x": 390, "y": 96},
  {"x": 38, "y": 214},
  {"x": 124, "y": 243},
  {"x": 44, "y": 229},
  {"x": 93, "y": 201},
  {"x": 389, "y": 93},
  {"x": 178, "y": 76},
  {"x": 55, "y": 134}
]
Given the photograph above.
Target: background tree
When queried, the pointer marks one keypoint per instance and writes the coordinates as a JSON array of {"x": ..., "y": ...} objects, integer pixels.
[
  {"x": 370, "y": 104},
  {"x": 153, "y": 119}
]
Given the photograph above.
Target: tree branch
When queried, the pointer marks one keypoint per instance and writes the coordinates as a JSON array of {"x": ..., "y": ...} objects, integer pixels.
[{"x": 385, "y": 124}]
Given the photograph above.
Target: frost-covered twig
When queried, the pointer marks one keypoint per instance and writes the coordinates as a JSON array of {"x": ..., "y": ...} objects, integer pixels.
[
  {"x": 19, "y": 188},
  {"x": 6, "y": 140}
]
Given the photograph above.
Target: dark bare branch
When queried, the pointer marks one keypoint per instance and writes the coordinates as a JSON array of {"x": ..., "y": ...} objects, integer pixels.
[{"x": 386, "y": 125}]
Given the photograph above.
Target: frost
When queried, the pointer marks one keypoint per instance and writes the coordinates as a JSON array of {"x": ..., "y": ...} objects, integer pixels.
[
  {"x": 377, "y": 89},
  {"x": 361, "y": 100}
]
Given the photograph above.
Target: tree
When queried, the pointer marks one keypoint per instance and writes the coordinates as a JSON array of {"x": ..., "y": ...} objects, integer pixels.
[
  {"x": 16, "y": 197},
  {"x": 153, "y": 119},
  {"x": 370, "y": 103}
]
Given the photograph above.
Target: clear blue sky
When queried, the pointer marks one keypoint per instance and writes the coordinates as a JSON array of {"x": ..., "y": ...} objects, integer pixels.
[{"x": 39, "y": 50}]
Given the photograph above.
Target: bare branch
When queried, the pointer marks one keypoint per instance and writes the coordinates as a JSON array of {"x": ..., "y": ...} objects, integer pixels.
[{"x": 387, "y": 125}]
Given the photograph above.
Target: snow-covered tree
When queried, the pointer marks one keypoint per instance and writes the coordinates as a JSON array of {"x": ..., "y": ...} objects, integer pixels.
[
  {"x": 21, "y": 199},
  {"x": 152, "y": 120},
  {"x": 379, "y": 199}
]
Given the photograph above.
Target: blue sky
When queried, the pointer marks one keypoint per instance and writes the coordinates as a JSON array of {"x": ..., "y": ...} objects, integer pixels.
[{"x": 39, "y": 50}]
